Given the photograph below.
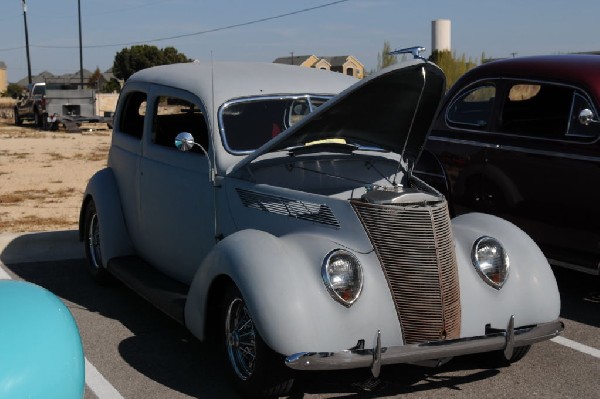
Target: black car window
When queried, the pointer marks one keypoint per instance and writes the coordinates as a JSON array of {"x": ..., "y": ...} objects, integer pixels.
[
  {"x": 132, "y": 114},
  {"x": 175, "y": 115},
  {"x": 537, "y": 110},
  {"x": 576, "y": 128},
  {"x": 473, "y": 108}
]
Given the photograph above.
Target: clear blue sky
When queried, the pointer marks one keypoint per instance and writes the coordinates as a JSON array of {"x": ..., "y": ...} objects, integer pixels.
[{"x": 357, "y": 27}]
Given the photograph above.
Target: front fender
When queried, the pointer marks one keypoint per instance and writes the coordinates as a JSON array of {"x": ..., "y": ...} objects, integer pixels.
[
  {"x": 530, "y": 292},
  {"x": 280, "y": 279},
  {"x": 103, "y": 190}
]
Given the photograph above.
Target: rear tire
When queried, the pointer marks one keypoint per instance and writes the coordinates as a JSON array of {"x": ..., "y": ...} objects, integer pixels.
[
  {"x": 256, "y": 370},
  {"x": 91, "y": 242}
]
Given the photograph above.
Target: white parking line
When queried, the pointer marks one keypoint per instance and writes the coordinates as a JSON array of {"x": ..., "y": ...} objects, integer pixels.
[
  {"x": 93, "y": 379},
  {"x": 577, "y": 346},
  {"x": 98, "y": 384},
  {"x": 4, "y": 275}
]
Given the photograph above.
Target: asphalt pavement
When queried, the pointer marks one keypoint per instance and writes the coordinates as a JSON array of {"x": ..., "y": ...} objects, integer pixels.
[{"x": 134, "y": 351}]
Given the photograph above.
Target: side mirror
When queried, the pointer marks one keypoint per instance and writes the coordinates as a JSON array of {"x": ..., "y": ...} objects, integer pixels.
[
  {"x": 586, "y": 116},
  {"x": 184, "y": 141}
]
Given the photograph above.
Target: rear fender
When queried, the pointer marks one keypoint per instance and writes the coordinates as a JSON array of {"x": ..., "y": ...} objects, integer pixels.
[{"x": 102, "y": 189}]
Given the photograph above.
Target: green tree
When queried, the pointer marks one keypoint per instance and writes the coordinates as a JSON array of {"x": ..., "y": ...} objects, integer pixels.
[
  {"x": 452, "y": 66},
  {"x": 12, "y": 90},
  {"x": 385, "y": 59},
  {"x": 130, "y": 60}
]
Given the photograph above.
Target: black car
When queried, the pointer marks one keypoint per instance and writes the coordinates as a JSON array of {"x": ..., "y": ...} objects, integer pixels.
[{"x": 519, "y": 138}]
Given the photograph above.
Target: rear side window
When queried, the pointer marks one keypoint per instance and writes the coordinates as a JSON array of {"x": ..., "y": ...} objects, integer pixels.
[
  {"x": 132, "y": 115},
  {"x": 537, "y": 110},
  {"x": 473, "y": 109}
]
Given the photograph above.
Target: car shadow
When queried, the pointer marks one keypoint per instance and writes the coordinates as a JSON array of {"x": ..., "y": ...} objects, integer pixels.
[
  {"x": 164, "y": 351},
  {"x": 580, "y": 296}
]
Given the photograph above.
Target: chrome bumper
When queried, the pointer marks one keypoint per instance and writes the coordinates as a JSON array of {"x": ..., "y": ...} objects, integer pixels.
[{"x": 378, "y": 356}]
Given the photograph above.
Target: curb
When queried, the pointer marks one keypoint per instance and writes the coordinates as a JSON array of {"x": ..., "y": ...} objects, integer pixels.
[{"x": 44, "y": 246}]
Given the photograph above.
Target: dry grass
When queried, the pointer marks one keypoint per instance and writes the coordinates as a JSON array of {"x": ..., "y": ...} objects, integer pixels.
[{"x": 43, "y": 175}]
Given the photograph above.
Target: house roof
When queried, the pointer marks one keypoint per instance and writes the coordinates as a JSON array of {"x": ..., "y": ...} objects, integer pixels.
[
  {"x": 333, "y": 60},
  {"x": 2, "y": 65},
  {"x": 292, "y": 60}
]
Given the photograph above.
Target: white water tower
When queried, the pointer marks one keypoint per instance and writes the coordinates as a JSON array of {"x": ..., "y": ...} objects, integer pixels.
[{"x": 440, "y": 35}]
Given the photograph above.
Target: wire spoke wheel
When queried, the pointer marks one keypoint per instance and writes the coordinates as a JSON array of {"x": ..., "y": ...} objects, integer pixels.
[
  {"x": 92, "y": 244},
  {"x": 93, "y": 241},
  {"x": 240, "y": 338}
]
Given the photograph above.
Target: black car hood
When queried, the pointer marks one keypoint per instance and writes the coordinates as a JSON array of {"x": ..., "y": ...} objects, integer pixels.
[{"x": 391, "y": 110}]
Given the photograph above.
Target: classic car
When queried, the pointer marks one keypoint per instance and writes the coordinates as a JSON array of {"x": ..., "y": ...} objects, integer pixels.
[
  {"x": 41, "y": 355},
  {"x": 519, "y": 138},
  {"x": 273, "y": 209}
]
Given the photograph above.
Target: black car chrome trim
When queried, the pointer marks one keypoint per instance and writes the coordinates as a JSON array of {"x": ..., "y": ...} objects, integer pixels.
[
  {"x": 514, "y": 148},
  {"x": 491, "y": 81},
  {"x": 356, "y": 358}
]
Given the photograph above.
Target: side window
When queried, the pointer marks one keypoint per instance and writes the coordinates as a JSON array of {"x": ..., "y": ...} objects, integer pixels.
[
  {"x": 472, "y": 109},
  {"x": 577, "y": 129},
  {"x": 537, "y": 110},
  {"x": 132, "y": 115},
  {"x": 174, "y": 115}
]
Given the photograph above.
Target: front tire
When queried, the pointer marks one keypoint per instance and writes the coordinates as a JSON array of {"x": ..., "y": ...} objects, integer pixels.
[
  {"x": 91, "y": 242},
  {"x": 257, "y": 371},
  {"x": 496, "y": 359}
]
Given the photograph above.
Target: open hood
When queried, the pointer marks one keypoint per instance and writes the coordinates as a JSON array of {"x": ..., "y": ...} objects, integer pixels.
[{"x": 392, "y": 110}]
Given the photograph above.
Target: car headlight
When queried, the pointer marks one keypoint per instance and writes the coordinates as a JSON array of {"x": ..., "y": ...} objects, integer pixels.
[
  {"x": 343, "y": 276},
  {"x": 491, "y": 261}
]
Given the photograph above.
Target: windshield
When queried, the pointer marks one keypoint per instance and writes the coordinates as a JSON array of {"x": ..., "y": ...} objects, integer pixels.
[{"x": 249, "y": 123}]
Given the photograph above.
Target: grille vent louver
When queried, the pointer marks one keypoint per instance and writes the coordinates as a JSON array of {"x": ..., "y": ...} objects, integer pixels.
[
  {"x": 317, "y": 213},
  {"x": 415, "y": 247}
]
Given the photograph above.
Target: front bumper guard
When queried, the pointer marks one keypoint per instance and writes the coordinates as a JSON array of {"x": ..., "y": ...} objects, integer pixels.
[{"x": 374, "y": 358}]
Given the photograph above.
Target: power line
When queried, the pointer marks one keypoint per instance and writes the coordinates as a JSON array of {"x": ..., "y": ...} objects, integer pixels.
[{"x": 256, "y": 21}]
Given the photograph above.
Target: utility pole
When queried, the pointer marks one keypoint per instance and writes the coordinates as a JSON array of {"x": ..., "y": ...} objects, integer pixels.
[
  {"x": 27, "y": 42},
  {"x": 80, "y": 46}
]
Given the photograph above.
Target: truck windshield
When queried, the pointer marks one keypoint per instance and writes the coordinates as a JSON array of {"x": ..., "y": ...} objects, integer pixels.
[{"x": 249, "y": 123}]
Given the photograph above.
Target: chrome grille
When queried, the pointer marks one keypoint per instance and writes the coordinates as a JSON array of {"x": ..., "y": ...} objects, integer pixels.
[
  {"x": 416, "y": 250},
  {"x": 317, "y": 213}
]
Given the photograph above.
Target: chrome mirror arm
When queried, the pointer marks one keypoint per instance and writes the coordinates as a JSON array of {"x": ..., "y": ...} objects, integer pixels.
[{"x": 184, "y": 141}]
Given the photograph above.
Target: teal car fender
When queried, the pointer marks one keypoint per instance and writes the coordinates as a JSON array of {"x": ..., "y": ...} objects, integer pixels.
[
  {"x": 530, "y": 292},
  {"x": 103, "y": 190},
  {"x": 41, "y": 355},
  {"x": 280, "y": 280}
]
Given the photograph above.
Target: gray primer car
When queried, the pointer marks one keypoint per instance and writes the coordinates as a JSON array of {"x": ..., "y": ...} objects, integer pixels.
[{"x": 293, "y": 231}]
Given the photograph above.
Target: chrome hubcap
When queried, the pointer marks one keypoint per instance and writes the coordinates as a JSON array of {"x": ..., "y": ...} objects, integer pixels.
[{"x": 240, "y": 338}]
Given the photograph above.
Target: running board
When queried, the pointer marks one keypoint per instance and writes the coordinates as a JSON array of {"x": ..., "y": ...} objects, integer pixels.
[{"x": 166, "y": 294}]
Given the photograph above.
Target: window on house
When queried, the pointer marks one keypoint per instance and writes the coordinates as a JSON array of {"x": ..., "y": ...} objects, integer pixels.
[{"x": 350, "y": 71}]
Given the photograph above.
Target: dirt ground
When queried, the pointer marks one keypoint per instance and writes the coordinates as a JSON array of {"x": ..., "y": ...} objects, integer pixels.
[{"x": 43, "y": 175}]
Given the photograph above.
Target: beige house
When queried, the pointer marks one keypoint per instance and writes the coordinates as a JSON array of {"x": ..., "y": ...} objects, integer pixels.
[
  {"x": 345, "y": 64},
  {"x": 3, "y": 78}
]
